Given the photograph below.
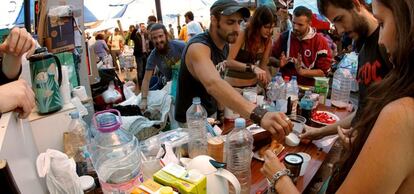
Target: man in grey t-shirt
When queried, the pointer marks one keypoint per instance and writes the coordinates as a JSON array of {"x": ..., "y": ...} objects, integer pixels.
[{"x": 166, "y": 57}]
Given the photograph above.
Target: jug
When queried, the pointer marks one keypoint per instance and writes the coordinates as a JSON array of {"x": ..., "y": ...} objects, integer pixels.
[
  {"x": 217, "y": 176},
  {"x": 43, "y": 68}
]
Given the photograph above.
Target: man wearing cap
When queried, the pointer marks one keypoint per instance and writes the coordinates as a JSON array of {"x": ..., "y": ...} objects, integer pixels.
[{"x": 198, "y": 76}]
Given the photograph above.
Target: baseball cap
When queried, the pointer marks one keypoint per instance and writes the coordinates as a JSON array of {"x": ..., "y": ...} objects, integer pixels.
[{"x": 229, "y": 7}]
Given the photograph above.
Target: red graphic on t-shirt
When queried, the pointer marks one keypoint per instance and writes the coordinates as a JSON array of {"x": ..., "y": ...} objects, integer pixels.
[{"x": 368, "y": 73}]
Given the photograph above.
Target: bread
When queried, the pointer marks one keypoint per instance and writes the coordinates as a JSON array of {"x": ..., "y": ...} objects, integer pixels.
[{"x": 274, "y": 146}]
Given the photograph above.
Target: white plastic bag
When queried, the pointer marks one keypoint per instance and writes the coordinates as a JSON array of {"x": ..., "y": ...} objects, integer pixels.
[
  {"x": 129, "y": 90},
  {"x": 111, "y": 95},
  {"x": 60, "y": 172}
]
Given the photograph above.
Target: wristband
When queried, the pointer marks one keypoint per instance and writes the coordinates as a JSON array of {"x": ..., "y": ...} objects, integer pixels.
[
  {"x": 248, "y": 67},
  {"x": 257, "y": 115},
  {"x": 276, "y": 177}
]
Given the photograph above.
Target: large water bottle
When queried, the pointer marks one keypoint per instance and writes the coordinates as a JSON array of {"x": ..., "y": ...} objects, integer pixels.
[
  {"x": 306, "y": 105},
  {"x": 239, "y": 146},
  {"x": 293, "y": 93},
  {"x": 341, "y": 87},
  {"x": 115, "y": 154},
  {"x": 196, "y": 121}
]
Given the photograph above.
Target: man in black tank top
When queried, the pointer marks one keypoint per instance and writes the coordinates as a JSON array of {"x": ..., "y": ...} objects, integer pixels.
[{"x": 198, "y": 76}]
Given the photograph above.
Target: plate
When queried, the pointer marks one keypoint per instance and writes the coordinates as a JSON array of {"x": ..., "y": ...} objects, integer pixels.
[
  {"x": 334, "y": 116},
  {"x": 257, "y": 156},
  {"x": 339, "y": 104}
]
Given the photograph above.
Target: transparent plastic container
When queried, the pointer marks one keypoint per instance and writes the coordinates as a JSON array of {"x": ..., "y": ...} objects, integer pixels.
[
  {"x": 293, "y": 93},
  {"x": 78, "y": 136},
  {"x": 341, "y": 87},
  {"x": 238, "y": 148},
  {"x": 115, "y": 154},
  {"x": 281, "y": 101},
  {"x": 306, "y": 105},
  {"x": 196, "y": 122}
]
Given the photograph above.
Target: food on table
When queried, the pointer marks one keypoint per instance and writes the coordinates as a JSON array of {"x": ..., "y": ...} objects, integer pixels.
[
  {"x": 323, "y": 117},
  {"x": 274, "y": 146}
]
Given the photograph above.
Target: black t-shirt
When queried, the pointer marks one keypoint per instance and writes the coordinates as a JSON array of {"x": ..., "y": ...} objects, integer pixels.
[
  {"x": 373, "y": 66},
  {"x": 188, "y": 87}
]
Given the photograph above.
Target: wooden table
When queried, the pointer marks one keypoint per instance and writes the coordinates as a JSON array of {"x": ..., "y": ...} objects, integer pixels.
[{"x": 259, "y": 182}]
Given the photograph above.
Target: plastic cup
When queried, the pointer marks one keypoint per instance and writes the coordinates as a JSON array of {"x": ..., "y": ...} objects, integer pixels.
[
  {"x": 260, "y": 100},
  {"x": 250, "y": 96},
  {"x": 306, "y": 158},
  {"x": 298, "y": 123}
]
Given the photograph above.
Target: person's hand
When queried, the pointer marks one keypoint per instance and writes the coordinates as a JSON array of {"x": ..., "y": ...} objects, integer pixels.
[
  {"x": 283, "y": 60},
  {"x": 312, "y": 133},
  {"x": 271, "y": 164},
  {"x": 298, "y": 64},
  {"x": 261, "y": 75},
  {"x": 277, "y": 123},
  {"x": 347, "y": 136},
  {"x": 144, "y": 104},
  {"x": 17, "y": 96},
  {"x": 17, "y": 43}
]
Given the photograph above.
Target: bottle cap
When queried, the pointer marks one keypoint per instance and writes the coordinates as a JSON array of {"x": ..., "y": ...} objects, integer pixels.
[
  {"x": 294, "y": 77},
  {"x": 286, "y": 78},
  {"x": 240, "y": 123},
  {"x": 278, "y": 74},
  {"x": 308, "y": 92},
  {"x": 196, "y": 100},
  {"x": 74, "y": 115},
  {"x": 107, "y": 122}
]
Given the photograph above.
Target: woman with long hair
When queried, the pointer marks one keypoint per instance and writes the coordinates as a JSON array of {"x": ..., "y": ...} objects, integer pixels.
[
  {"x": 381, "y": 156},
  {"x": 249, "y": 55}
]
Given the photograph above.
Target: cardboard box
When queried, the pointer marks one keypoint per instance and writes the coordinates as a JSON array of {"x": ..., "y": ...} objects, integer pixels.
[
  {"x": 60, "y": 34},
  {"x": 183, "y": 181}
]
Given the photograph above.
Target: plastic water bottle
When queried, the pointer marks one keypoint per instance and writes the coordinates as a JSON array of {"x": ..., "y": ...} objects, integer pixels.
[
  {"x": 78, "y": 136},
  {"x": 196, "y": 121},
  {"x": 293, "y": 93},
  {"x": 270, "y": 94},
  {"x": 115, "y": 154},
  {"x": 239, "y": 146},
  {"x": 281, "y": 101},
  {"x": 279, "y": 78},
  {"x": 341, "y": 87},
  {"x": 306, "y": 104}
]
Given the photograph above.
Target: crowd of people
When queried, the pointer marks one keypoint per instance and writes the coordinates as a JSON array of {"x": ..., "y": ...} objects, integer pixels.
[{"x": 239, "y": 50}]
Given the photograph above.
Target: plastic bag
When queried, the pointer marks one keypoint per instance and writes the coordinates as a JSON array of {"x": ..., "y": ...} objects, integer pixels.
[
  {"x": 128, "y": 90},
  {"x": 111, "y": 95},
  {"x": 60, "y": 172}
]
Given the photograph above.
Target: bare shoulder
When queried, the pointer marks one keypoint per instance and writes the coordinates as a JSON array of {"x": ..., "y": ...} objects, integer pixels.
[
  {"x": 198, "y": 49},
  {"x": 400, "y": 111},
  {"x": 403, "y": 107}
]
